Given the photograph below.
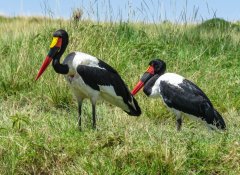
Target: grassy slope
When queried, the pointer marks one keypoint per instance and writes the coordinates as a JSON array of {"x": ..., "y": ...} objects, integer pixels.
[{"x": 38, "y": 119}]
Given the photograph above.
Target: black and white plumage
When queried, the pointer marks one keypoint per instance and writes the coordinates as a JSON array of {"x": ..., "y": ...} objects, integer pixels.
[
  {"x": 89, "y": 77},
  {"x": 179, "y": 94}
]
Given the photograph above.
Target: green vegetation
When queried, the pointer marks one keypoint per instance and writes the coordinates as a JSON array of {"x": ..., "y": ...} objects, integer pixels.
[
  {"x": 38, "y": 121},
  {"x": 218, "y": 24}
]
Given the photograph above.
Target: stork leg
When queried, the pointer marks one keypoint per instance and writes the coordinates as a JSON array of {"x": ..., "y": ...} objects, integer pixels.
[
  {"x": 179, "y": 123},
  {"x": 178, "y": 119},
  {"x": 79, "y": 114},
  {"x": 94, "y": 115}
]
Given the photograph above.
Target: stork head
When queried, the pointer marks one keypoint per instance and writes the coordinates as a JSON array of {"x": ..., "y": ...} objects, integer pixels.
[
  {"x": 57, "y": 47},
  {"x": 156, "y": 66}
]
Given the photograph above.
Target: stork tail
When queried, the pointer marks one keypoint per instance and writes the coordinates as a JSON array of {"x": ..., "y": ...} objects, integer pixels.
[
  {"x": 219, "y": 120},
  {"x": 134, "y": 108},
  {"x": 214, "y": 118}
]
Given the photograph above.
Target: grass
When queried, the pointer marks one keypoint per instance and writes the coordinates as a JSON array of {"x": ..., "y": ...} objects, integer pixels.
[{"x": 38, "y": 121}]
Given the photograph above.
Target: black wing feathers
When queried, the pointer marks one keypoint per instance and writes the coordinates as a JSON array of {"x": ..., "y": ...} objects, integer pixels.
[
  {"x": 94, "y": 76},
  {"x": 187, "y": 98},
  {"x": 105, "y": 75},
  {"x": 193, "y": 88},
  {"x": 190, "y": 99}
]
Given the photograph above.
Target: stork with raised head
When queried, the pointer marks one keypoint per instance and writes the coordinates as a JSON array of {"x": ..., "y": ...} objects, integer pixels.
[
  {"x": 179, "y": 94},
  {"x": 89, "y": 77}
]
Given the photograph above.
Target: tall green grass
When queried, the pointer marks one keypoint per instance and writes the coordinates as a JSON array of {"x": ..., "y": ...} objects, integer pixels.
[{"x": 38, "y": 126}]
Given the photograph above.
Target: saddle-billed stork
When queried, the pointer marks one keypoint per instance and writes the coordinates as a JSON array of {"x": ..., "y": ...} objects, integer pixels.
[
  {"x": 179, "y": 94},
  {"x": 89, "y": 77}
]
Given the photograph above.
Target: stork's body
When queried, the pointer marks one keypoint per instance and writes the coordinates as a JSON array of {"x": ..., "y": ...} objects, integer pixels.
[
  {"x": 179, "y": 94},
  {"x": 90, "y": 77}
]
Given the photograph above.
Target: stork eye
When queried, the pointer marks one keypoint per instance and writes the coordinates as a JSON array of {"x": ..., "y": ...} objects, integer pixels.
[{"x": 157, "y": 67}]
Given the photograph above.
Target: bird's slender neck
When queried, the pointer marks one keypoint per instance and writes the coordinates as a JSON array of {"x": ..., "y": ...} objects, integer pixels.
[
  {"x": 58, "y": 67},
  {"x": 149, "y": 84}
]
